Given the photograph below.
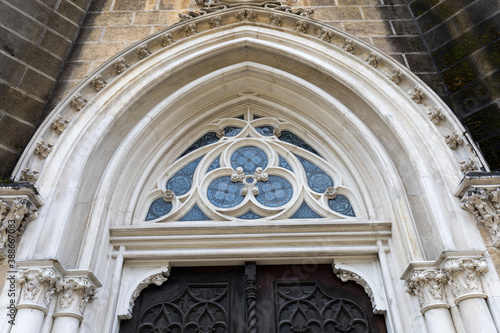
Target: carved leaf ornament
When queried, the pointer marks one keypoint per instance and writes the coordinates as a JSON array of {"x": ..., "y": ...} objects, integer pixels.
[{"x": 240, "y": 171}]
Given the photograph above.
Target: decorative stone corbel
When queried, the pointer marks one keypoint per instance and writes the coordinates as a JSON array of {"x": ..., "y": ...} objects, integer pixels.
[
  {"x": 14, "y": 217},
  {"x": 485, "y": 206},
  {"x": 436, "y": 115},
  {"x": 216, "y": 22},
  {"x": 98, "y": 83},
  {"x": 346, "y": 275},
  {"x": 78, "y": 102},
  {"x": 373, "y": 60},
  {"x": 396, "y": 76},
  {"x": 167, "y": 40},
  {"x": 59, "y": 124},
  {"x": 156, "y": 279},
  {"x": 143, "y": 51},
  {"x": 121, "y": 66},
  {"x": 453, "y": 140},
  {"x": 349, "y": 46},
  {"x": 417, "y": 95},
  {"x": 43, "y": 150}
]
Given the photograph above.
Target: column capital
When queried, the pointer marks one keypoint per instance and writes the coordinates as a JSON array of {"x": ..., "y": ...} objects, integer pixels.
[
  {"x": 74, "y": 294},
  {"x": 37, "y": 285},
  {"x": 427, "y": 282},
  {"x": 464, "y": 276}
]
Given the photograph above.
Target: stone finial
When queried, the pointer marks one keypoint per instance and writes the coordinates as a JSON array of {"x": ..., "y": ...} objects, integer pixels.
[
  {"x": 349, "y": 46},
  {"x": 373, "y": 60},
  {"x": 98, "y": 83},
  {"x": 301, "y": 26},
  {"x": 469, "y": 165},
  {"x": 28, "y": 176},
  {"x": 436, "y": 115},
  {"x": 78, "y": 102},
  {"x": 37, "y": 286},
  {"x": 417, "y": 95},
  {"x": 453, "y": 140},
  {"x": 191, "y": 29},
  {"x": 396, "y": 76},
  {"x": 59, "y": 124},
  {"x": 143, "y": 51},
  {"x": 464, "y": 276},
  {"x": 246, "y": 15},
  {"x": 485, "y": 206},
  {"x": 167, "y": 39},
  {"x": 13, "y": 220},
  {"x": 121, "y": 66},
  {"x": 276, "y": 20},
  {"x": 216, "y": 22},
  {"x": 326, "y": 35},
  {"x": 43, "y": 150},
  {"x": 428, "y": 286}
]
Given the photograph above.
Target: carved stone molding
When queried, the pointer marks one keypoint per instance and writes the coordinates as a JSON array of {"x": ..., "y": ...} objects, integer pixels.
[
  {"x": 464, "y": 277},
  {"x": 349, "y": 46},
  {"x": 417, "y": 95},
  {"x": 453, "y": 140},
  {"x": 485, "y": 206},
  {"x": 428, "y": 286},
  {"x": 156, "y": 279},
  {"x": 469, "y": 165},
  {"x": 14, "y": 217},
  {"x": 326, "y": 35},
  {"x": 346, "y": 275},
  {"x": 29, "y": 176},
  {"x": 98, "y": 83},
  {"x": 215, "y": 22},
  {"x": 74, "y": 294},
  {"x": 396, "y": 76},
  {"x": 301, "y": 26},
  {"x": 191, "y": 29},
  {"x": 120, "y": 65},
  {"x": 276, "y": 20},
  {"x": 246, "y": 15},
  {"x": 43, "y": 150},
  {"x": 37, "y": 286},
  {"x": 59, "y": 124},
  {"x": 143, "y": 51},
  {"x": 373, "y": 60},
  {"x": 167, "y": 39},
  {"x": 78, "y": 102},
  {"x": 436, "y": 115}
]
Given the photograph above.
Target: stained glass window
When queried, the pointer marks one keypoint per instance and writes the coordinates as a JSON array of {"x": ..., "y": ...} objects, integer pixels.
[
  {"x": 231, "y": 131},
  {"x": 249, "y": 158},
  {"x": 249, "y": 216},
  {"x": 195, "y": 214},
  {"x": 284, "y": 163},
  {"x": 305, "y": 212},
  {"x": 158, "y": 208},
  {"x": 317, "y": 179},
  {"x": 215, "y": 164},
  {"x": 341, "y": 204},
  {"x": 207, "y": 139},
  {"x": 275, "y": 192},
  {"x": 180, "y": 183},
  {"x": 265, "y": 130},
  {"x": 225, "y": 193},
  {"x": 294, "y": 139}
]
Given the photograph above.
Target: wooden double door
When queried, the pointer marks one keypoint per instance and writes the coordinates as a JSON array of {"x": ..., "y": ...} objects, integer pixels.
[{"x": 254, "y": 299}]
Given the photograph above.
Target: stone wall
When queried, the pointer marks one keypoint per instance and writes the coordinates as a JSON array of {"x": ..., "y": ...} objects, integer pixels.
[
  {"x": 463, "y": 37},
  {"x": 35, "y": 38},
  {"x": 454, "y": 42}
]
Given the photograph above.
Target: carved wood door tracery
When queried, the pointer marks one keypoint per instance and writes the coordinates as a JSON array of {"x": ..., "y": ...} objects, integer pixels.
[{"x": 266, "y": 299}]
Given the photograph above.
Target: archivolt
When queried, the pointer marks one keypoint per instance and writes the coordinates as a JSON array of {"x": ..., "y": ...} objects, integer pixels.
[{"x": 141, "y": 108}]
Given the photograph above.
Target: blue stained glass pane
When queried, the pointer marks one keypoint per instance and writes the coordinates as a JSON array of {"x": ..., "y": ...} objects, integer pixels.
[
  {"x": 215, "y": 164},
  {"x": 265, "y": 130},
  {"x": 195, "y": 214},
  {"x": 341, "y": 204},
  {"x": 249, "y": 158},
  {"x": 224, "y": 193},
  {"x": 180, "y": 183},
  {"x": 231, "y": 131},
  {"x": 158, "y": 208},
  {"x": 284, "y": 164},
  {"x": 209, "y": 138},
  {"x": 250, "y": 216},
  {"x": 256, "y": 117},
  {"x": 275, "y": 192},
  {"x": 240, "y": 117},
  {"x": 292, "y": 138},
  {"x": 317, "y": 179},
  {"x": 305, "y": 212}
]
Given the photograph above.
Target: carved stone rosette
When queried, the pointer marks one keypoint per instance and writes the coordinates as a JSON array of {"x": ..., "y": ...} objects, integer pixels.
[
  {"x": 464, "y": 277},
  {"x": 13, "y": 220},
  {"x": 74, "y": 294},
  {"x": 38, "y": 285},
  {"x": 428, "y": 286}
]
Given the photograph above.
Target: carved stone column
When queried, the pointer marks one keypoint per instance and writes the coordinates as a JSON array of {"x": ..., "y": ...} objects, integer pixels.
[
  {"x": 428, "y": 286},
  {"x": 74, "y": 294},
  {"x": 464, "y": 279},
  {"x": 37, "y": 286}
]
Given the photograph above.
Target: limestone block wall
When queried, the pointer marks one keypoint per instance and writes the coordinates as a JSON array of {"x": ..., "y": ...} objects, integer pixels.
[
  {"x": 463, "y": 37},
  {"x": 35, "y": 39}
]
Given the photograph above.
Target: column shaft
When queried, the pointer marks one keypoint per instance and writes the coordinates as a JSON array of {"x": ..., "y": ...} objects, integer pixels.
[
  {"x": 476, "y": 315},
  {"x": 28, "y": 320},
  {"x": 439, "y": 321}
]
